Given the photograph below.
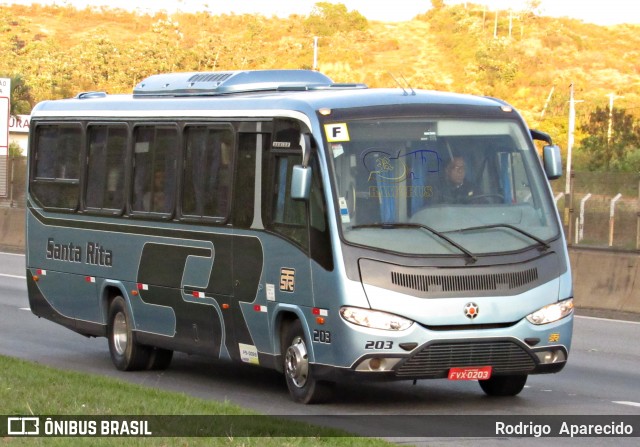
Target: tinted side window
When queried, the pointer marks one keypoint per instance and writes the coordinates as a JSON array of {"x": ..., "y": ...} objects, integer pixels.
[
  {"x": 288, "y": 216},
  {"x": 251, "y": 150},
  {"x": 106, "y": 151},
  {"x": 286, "y": 210},
  {"x": 56, "y": 162},
  {"x": 154, "y": 169},
  {"x": 208, "y": 160},
  {"x": 284, "y": 215},
  {"x": 319, "y": 232}
]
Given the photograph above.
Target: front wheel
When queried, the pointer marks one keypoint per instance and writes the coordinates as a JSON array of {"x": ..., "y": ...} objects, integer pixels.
[
  {"x": 303, "y": 387},
  {"x": 503, "y": 385},
  {"x": 126, "y": 354}
]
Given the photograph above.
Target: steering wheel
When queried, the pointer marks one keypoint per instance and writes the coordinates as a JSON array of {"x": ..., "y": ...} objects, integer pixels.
[{"x": 487, "y": 198}]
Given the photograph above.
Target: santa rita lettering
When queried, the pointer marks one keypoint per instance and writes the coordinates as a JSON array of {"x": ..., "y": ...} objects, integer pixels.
[{"x": 96, "y": 254}]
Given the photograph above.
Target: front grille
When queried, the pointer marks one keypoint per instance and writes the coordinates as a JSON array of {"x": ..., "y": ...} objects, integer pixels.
[
  {"x": 457, "y": 282},
  {"x": 465, "y": 282},
  {"x": 435, "y": 360}
]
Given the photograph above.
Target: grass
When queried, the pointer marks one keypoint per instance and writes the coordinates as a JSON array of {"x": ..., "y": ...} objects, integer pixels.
[{"x": 28, "y": 388}]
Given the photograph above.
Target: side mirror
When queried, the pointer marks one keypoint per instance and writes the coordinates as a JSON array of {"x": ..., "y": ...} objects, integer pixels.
[
  {"x": 552, "y": 161},
  {"x": 300, "y": 182},
  {"x": 301, "y": 174}
]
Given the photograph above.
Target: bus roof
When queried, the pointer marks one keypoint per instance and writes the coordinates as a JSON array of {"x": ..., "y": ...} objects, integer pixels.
[{"x": 299, "y": 90}]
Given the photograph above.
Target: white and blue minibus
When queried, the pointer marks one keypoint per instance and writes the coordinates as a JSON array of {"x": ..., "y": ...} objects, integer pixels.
[{"x": 276, "y": 218}]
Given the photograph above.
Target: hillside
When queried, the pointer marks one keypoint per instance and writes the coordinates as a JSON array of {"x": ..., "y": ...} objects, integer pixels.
[{"x": 60, "y": 51}]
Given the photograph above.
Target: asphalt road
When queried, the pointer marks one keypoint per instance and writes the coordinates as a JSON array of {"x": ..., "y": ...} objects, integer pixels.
[{"x": 601, "y": 378}]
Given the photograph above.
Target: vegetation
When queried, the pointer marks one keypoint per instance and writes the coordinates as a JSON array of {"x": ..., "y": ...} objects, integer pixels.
[
  {"x": 611, "y": 149},
  {"x": 29, "y": 389},
  {"x": 522, "y": 57}
]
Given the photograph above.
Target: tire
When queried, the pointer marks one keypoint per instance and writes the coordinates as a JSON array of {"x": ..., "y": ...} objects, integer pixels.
[
  {"x": 159, "y": 359},
  {"x": 126, "y": 353},
  {"x": 303, "y": 387},
  {"x": 503, "y": 385}
]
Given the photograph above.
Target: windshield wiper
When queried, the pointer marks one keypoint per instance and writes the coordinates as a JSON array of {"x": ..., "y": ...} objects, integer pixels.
[
  {"x": 471, "y": 258},
  {"x": 544, "y": 245}
]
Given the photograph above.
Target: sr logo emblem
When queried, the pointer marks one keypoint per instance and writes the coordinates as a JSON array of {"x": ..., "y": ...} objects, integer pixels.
[
  {"x": 471, "y": 310},
  {"x": 287, "y": 279}
]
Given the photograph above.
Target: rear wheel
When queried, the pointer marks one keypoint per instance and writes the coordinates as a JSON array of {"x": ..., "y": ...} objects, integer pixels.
[
  {"x": 159, "y": 359},
  {"x": 503, "y": 385},
  {"x": 126, "y": 353},
  {"x": 303, "y": 387}
]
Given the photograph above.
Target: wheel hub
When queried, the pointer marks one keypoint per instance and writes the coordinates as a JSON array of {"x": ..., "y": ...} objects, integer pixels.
[
  {"x": 297, "y": 362},
  {"x": 120, "y": 336}
]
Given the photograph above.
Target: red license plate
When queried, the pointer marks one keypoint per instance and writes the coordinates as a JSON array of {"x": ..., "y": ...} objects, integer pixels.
[{"x": 470, "y": 373}]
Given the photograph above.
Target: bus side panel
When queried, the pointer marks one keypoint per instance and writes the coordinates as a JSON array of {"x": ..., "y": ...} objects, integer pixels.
[
  {"x": 60, "y": 288},
  {"x": 182, "y": 279},
  {"x": 196, "y": 327},
  {"x": 208, "y": 319},
  {"x": 284, "y": 279},
  {"x": 41, "y": 307},
  {"x": 248, "y": 264}
]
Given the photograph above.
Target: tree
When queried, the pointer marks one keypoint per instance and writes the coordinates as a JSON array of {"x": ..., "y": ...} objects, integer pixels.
[
  {"x": 21, "y": 99},
  {"x": 497, "y": 61},
  {"x": 327, "y": 19},
  {"x": 618, "y": 153},
  {"x": 14, "y": 150}
]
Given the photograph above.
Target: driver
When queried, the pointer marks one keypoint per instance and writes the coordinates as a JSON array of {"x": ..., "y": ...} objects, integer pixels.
[{"x": 455, "y": 188}]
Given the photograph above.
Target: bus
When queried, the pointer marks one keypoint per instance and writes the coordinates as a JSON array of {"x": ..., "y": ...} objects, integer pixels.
[{"x": 276, "y": 218}]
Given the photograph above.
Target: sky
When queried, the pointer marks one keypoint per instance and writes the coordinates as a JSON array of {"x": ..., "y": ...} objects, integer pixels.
[{"x": 601, "y": 12}]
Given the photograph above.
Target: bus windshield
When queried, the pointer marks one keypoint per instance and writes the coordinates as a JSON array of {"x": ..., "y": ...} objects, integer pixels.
[{"x": 439, "y": 186}]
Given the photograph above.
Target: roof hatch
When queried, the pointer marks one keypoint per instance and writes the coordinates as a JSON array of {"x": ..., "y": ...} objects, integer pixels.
[{"x": 228, "y": 82}]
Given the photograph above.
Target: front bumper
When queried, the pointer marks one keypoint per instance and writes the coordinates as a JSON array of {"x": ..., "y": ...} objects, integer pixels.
[{"x": 434, "y": 359}]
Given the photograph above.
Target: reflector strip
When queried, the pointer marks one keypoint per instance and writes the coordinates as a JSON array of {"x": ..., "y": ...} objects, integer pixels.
[
  {"x": 259, "y": 308},
  {"x": 41, "y": 272},
  {"x": 318, "y": 311},
  {"x": 198, "y": 294},
  {"x": 143, "y": 286},
  {"x": 90, "y": 278}
]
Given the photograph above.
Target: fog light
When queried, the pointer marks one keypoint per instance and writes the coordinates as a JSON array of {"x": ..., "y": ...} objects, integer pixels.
[
  {"x": 377, "y": 364},
  {"x": 551, "y": 356}
]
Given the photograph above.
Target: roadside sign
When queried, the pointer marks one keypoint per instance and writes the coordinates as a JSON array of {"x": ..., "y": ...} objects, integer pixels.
[{"x": 5, "y": 107}]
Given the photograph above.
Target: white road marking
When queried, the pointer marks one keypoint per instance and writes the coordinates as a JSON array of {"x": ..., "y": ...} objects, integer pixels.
[
  {"x": 11, "y": 254},
  {"x": 26, "y": 308},
  {"x": 607, "y": 319},
  {"x": 624, "y": 402},
  {"x": 12, "y": 276}
]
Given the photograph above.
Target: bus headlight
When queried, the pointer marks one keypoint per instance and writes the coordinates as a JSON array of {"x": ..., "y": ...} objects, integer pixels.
[
  {"x": 375, "y": 319},
  {"x": 551, "y": 313}
]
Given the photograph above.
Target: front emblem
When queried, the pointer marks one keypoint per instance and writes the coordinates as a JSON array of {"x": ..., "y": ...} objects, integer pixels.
[{"x": 471, "y": 310}]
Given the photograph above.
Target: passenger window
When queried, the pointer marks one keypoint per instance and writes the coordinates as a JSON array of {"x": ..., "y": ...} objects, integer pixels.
[
  {"x": 154, "y": 169},
  {"x": 251, "y": 148},
  {"x": 207, "y": 171},
  {"x": 106, "y": 153},
  {"x": 56, "y": 178}
]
